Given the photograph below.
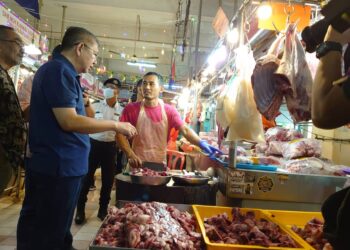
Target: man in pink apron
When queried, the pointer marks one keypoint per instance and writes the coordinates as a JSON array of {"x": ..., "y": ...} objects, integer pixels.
[{"x": 153, "y": 120}]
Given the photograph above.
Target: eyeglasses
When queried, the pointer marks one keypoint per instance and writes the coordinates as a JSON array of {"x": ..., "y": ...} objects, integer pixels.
[
  {"x": 19, "y": 43},
  {"x": 94, "y": 53}
]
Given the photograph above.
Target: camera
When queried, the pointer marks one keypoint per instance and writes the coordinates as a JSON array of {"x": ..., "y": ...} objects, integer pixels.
[{"x": 337, "y": 14}]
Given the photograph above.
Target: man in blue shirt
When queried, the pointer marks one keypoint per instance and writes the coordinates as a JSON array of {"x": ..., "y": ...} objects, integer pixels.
[{"x": 59, "y": 142}]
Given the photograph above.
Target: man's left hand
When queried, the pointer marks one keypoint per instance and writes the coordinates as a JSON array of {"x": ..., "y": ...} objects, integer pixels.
[{"x": 209, "y": 149}]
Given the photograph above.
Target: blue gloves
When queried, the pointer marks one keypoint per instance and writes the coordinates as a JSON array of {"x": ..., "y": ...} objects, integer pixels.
[{"x": 210, "y": 150}]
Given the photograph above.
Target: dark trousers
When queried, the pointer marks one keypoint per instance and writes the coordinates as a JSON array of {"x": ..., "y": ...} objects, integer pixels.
[
  {"x": 101, "y": 154},
  {"x": 47, "y": 212},
  {"x": 5, "y": 171}
]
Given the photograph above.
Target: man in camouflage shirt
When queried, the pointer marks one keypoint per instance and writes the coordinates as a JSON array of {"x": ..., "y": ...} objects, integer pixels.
[{"x": 12, "y": 126}]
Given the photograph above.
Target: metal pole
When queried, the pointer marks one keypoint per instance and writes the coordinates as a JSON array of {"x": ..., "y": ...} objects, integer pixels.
[
  {"x": 233, "y": 144},
  {"x": 190, "y": 68},
  {"x": 232, "y": 153},
  {"x": 63, "y": 18},
  {"x": 194, "y": 116},
  {"x": 197, "y": 36}
]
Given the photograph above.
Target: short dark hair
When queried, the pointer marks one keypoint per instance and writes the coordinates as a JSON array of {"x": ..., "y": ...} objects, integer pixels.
[
  {"x": 160, "y": 78},
  {"x": 139, "y": 83},
  {"x": 74, "y": 35},
  {"x": 4, "y": 29},
  {"x": 111, "y": 81}
]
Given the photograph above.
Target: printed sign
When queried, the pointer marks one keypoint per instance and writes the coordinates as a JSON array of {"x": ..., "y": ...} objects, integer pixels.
[
  {"x": 265, "y": 184},
  {"x": 220, "y": 23},
  {"x": 23, "y": 29},
  {"x": 241, "y": 182},
  {"x": 237, "y": 176}
]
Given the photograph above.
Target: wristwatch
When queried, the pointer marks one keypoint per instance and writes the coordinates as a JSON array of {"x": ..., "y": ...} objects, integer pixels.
[{"x": 327, "y": 46}]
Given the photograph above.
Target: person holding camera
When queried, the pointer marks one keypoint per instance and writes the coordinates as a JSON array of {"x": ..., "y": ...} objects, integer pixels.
[
  {"x": 331, "y": 89},
  {"x": 331, "y": 109}
]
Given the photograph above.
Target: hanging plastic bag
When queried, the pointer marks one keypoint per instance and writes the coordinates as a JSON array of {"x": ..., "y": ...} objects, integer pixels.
[
  {"x": 224, "y": 107},
  {"x": 246, "y": 120}
]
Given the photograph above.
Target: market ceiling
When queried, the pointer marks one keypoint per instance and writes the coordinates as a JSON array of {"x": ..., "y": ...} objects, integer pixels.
[{"x": 115, "y": 24}]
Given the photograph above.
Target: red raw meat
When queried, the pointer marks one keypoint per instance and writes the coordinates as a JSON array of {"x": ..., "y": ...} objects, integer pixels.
[
  {"x": 312, "y": 233},
  {"x": 301, "y": 148},
  {"x": 147, "y": 172},
  {"x": 245, "y": 230},
  {"x": 267, "y": 91},
  {"x": 294, "y": 72},
  {"x": 151, "y": 225},
  {"x": 282, "y": 134}
]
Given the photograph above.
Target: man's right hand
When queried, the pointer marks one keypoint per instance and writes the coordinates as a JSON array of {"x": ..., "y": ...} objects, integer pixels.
[
  {"x": 134, "y": 161},
  {"x": 126, "y": 129}
]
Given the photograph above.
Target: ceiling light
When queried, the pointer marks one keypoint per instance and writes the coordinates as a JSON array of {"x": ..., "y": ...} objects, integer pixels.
[
  {"x": 209, "y": 70},
  {"x": 32, "y": 50},
  {"x": 141, "y": 64},
  {"x": 162, "y": 52},
  {"x": 264, "y": 11},
  {"x": 232, "y": 35},
  {"x": 217, "y": 56}
]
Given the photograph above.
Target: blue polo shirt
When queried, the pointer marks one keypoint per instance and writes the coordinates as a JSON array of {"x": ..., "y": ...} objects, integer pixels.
[{"x": 56, "y": 152}]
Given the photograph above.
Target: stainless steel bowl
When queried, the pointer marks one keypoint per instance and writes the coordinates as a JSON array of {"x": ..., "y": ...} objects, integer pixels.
[
  {"x": 190, "y": 179},
  {"x": 150, "y": 180}
]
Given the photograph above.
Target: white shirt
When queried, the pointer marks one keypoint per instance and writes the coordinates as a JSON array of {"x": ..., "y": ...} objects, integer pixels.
[{"x": 104, "y": 112}]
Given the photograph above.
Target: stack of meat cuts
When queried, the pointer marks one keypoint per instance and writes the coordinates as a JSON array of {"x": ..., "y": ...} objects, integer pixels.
[
  {"x": 312, "y": 233},
  {"x": 289, "y": 77},
  {"x": 246, "y": 230},
  {"x": 149, "y": 226}
]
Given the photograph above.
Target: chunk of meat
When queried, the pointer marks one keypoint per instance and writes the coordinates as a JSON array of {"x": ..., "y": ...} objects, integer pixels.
[
  {"x": 150, "y": 225},
  {"x": 267, "y": 93},
  {"x": 246, "y": 229},
  {"x": 312, "y": 233},
  {"x": 294, "y": 72}
]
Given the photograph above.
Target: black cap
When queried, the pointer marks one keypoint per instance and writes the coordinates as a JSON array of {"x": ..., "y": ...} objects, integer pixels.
[{"x": 114, "y": 81}]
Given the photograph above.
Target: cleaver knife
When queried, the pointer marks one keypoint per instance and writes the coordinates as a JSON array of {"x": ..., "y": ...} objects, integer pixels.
[{"x": 156, "y": 166}]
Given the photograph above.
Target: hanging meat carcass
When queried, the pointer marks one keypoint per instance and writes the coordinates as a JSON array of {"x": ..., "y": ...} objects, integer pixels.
[
  {"x": 295, "y": 73},
  {"x": 289, "y": 77},
  {"x": 268, "y": 94}
]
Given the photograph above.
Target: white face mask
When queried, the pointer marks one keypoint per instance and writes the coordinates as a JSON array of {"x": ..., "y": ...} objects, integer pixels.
[{"x": 108, "y": 93}]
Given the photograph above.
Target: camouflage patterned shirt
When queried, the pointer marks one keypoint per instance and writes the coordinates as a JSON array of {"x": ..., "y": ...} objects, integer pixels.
[{"x": 12, "y": 126}]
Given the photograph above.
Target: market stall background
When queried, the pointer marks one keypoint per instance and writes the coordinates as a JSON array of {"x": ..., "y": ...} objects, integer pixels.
[
  {"x": 156, "y": 30},
  {"x": 136, "y": 35}
]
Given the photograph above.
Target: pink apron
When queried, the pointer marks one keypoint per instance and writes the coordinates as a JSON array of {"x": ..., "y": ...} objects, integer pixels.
[{"x": 151, "y": 142}]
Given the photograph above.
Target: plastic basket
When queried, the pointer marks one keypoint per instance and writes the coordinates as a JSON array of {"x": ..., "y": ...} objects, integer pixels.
[
  {"x": 297, "y": 218},
  {"x": 202, "y": 212}
]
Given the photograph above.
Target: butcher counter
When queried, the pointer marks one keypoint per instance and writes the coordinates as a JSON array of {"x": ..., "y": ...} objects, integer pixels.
[
  {"x": 275, "y": 190},
  {"x": 170, "y": 193}
]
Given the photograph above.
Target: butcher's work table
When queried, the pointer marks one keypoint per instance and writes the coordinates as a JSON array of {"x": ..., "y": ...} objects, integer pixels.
[
  {"x": 170, "y": 193},
  {"x": 276, "y": 190}
]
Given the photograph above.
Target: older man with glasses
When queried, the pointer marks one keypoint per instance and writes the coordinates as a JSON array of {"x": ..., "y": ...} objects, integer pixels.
[
  {"x": 12, "y": 126},
  {"x": 60, "y": 145}
]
